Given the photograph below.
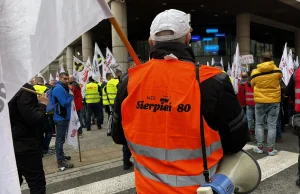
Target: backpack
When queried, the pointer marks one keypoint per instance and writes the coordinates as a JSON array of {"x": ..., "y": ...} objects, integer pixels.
[{"x": 51, "y": 105}]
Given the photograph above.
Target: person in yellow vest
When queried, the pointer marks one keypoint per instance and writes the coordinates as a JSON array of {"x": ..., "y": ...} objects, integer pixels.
[
  {"x": 92, "y": 98},
  {"x": 104, "y": 95},
  {"x": 111, "y": 90},
  {"x": 39, "y": 85},
  {"x": 163, "y": 105},
  {"x": 46, "y": 128}
]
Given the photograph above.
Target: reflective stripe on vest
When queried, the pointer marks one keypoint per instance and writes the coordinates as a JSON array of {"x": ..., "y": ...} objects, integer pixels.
[
  {"x": 297, "y": 90},
  {"x": 92, "y": 93},
  {"x": 161, "y": 125},
  {"x": 112, "y": 90},
  {"x": 174, "y": 180},
  {"x": 174, "y": 154},
  {"x": 249, "y": 95}
]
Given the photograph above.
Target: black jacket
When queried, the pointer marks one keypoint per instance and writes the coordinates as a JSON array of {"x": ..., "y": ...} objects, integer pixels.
[
  {"x": 26, "y": 117},
  {"x": 220, "y": 105}
]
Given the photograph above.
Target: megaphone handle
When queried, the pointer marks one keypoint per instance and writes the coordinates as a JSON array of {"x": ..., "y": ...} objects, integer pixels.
[{"x": 205, "y": 172}]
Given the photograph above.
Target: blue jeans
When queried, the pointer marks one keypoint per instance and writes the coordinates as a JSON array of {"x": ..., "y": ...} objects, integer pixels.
[
  {"x": 79, "y": 113},
  {"x": 271, "y": 111},
  {"x": 61, "y": 130},
  {"x": 48, "y": 134},
  {"x": 84, "y": 115},
  {"x": 97, "y": 110},
  {"x": 279, "y": 125},
  {"x": 250, "y": 116}
]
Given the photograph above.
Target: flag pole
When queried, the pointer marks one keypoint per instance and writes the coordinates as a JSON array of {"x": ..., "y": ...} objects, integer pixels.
[
  {"x": 121, "y": 34},
  {"x": 79, "y": 147}
]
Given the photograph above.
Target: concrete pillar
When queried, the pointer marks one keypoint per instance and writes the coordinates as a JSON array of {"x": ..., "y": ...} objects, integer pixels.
[
  {"x": 53, "y": 68},
  {"x": 120, "y": 52},
  {"x": 297, "y": 43},
  {"x": 243, "y": 33},
  {"x": 87, "y": 46},
  {"x": 69, "y": 58}
]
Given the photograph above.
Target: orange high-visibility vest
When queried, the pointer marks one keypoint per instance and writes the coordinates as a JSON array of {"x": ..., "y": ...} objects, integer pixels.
[
  {"x": 161, "y": 122},
  {"x": 297, "y": 91}
]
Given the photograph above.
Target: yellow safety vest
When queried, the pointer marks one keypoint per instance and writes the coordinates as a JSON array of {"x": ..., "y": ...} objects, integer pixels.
[
  {"x": 104, "y": 96},
  {"x": 40, "y": 88},
  {"x": 111, "y": 89},
  {"x": 91, "y": 93}
]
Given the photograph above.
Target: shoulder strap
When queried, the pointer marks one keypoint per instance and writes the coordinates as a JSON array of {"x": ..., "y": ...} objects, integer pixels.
[{"x": 205, "y": 172}]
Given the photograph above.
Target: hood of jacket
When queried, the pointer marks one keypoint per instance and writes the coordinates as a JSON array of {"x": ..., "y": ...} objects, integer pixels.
[{"x": 266, "y": 66}]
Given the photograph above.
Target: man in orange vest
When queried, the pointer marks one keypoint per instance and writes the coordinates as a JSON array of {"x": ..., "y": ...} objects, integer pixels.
[{"x": 159, "y": 108}]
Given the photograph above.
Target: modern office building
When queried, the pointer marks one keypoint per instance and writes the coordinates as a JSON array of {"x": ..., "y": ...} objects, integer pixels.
[{"x": 257, "y": 25}]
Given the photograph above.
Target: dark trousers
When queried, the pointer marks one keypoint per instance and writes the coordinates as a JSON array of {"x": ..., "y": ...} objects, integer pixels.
[
  {"x": 48, "y": 134},
  {"x": 107, "y": 110},
  {"x": 52, "y": 123},
  {"x": 84, "y": 114},
  {"x": 299, "y": 156},
  {"x": 79, "y": 114},
  {"x": 97, "y": 110},
  {"x": 126, "y": 154},
  {"x": 30, "y": 166}
]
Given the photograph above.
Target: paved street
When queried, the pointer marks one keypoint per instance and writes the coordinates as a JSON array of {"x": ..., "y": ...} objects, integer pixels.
[{"x": 107, "y": 176}]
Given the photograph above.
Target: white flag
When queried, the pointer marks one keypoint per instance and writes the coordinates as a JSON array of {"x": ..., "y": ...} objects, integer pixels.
[
  {"x": 50, "y": 77},
  {"x": 40, "y": 75},
  {"x": 236, "y": 68},
  {"x": 296, "y": 63},
  {"x": 61, "y": 69},
  {"x": 74, "y": 125},
  {"x": 99, "y": 55},
  {"x": 57, "y": 76},
  {"x": 207, "y": 63},
  {"x": 222, "y": 62},
  {"x": 229, "y": 70},
  {"x": 98, "y": 61},
  {"x": 110, "y": 63},
  {"x": 9, "y": 180},
  {"x": 83, "y": 80},
  {"x": 32, "y": 34},
  {"x": 290, "y": 65},
  {"x": 284, "y": 66},
  {"x": 212, "y": 61},
  {"x": 78, "y": 67}
]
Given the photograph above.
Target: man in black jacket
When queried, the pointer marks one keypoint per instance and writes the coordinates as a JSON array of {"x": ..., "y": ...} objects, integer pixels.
[{"x": 27, "y": 114}]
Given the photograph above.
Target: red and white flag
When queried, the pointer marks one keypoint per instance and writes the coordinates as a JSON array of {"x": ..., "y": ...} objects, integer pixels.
[
  {"x": 236, "y": 69},
  {"x": 284, "y": 66},
  {"x": 57, "y": 76},
  {"x": 74, "y": 125}
]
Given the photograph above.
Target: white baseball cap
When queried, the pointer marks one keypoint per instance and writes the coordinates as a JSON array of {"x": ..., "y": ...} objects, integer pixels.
[{"x": 173, "y": 20}]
